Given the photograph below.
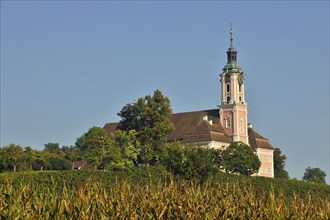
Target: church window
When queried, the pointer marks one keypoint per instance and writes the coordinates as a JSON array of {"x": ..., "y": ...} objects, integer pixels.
[
  {"x": 239, "y": 88},
  {"x": 228, "y": 99},
  {"x": 228, "y": 122},
  {"x": 240, "y": 98},
  {"x": 228, "y": 87}
]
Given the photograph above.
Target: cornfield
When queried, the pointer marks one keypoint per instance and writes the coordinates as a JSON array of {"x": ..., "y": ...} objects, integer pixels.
[{"x": 170, "y": 199}]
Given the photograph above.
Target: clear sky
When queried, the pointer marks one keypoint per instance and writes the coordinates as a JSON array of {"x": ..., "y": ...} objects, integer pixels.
[{"x": 69, "y": 65}]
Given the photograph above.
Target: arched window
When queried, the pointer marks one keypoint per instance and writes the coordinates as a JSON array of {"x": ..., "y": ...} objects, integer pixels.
[
  {"x": 228, "y": 122},
  {"x": 228, "y": 87}
]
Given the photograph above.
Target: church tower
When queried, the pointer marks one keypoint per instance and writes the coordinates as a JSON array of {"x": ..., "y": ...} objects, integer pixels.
[{"x": 233, "y": 108}]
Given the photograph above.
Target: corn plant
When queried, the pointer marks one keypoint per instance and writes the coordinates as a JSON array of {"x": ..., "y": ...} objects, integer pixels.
[{"x": 169, "y": 199}]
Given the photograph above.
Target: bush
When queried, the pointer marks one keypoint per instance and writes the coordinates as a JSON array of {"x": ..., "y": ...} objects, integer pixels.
[{"x": 190, "y": 162}]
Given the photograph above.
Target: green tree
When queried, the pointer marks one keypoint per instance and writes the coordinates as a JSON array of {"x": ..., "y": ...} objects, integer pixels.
[
  {"x": 53, "y": 148},
  {"x": 57, "y": 162},
  {"x": 198, "y": 162},
  {"x": 71, "y": 154},
  {"x": 11, "y": 156},
  {"x": 40, "y": 161},
  {"x": 190, "y": 161},
  {"x": 129, "y": 146},
  {"x": 148, "y": 116},
  {"x": 174, "y": 158},
  {"x": 29, "y": 156},
  {"x": 315, "y": 175},
  {"x": 279, "y": 164},
  {"x": 239, "y": 158},
  {"x": 96, "y": 147}
]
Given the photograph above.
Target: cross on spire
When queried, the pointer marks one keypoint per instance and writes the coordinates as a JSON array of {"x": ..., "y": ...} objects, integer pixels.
[{"x": 231, "y": 35}]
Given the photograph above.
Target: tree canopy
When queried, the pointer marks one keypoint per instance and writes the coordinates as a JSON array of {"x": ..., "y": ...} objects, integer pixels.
[
  {"x": 315, "y": 175},
  {"x": 11, "y": 156},
  {"x": 279, "y": 164},
  {"x": 96, "y": 147},
  {"x": 190, "y": 161},
  {"x": 239, "y": 158},
  {"x": 148, "y": 117},
  {"x": 129, "y": 146},
  {"x": 14, "y": 157},
  {"x": 194, "y": 161},
  {"x": 52, "y": 147}
]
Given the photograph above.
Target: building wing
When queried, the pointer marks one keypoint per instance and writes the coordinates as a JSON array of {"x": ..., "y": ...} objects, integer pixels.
[{"x": 258, "y": 141}]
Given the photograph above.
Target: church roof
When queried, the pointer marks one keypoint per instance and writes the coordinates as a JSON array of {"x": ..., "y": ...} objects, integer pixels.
[
  {"x": 258, "y": 141},
  {"x": 201, "y": 126},
  {"x": 198, "y": 126},
  {"x": 110, "y": 128}
]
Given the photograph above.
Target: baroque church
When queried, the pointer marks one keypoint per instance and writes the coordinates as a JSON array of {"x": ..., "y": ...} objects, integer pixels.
[{"x": 217, "y": 128}]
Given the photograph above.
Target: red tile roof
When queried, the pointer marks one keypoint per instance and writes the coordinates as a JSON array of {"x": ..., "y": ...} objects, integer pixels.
[
  {"x": 192, "y": 127},
  {"x": 201, "y": 126},
  {"x": 110, "y": 128},
  {"x": 83, "y": 165},
  {"x": 258, "y": 141}
]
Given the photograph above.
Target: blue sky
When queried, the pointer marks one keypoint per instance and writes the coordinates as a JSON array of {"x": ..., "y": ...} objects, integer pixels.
[{"x": 69, "y": 65}]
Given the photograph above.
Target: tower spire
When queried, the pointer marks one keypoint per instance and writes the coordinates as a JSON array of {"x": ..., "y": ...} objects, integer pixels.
[
  {"x": 231, "y": 36},
  {"x": 232, "y": 64}
]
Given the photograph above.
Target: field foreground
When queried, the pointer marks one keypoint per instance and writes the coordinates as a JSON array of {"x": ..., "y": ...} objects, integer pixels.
[{"x": 57, "y": 195}]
